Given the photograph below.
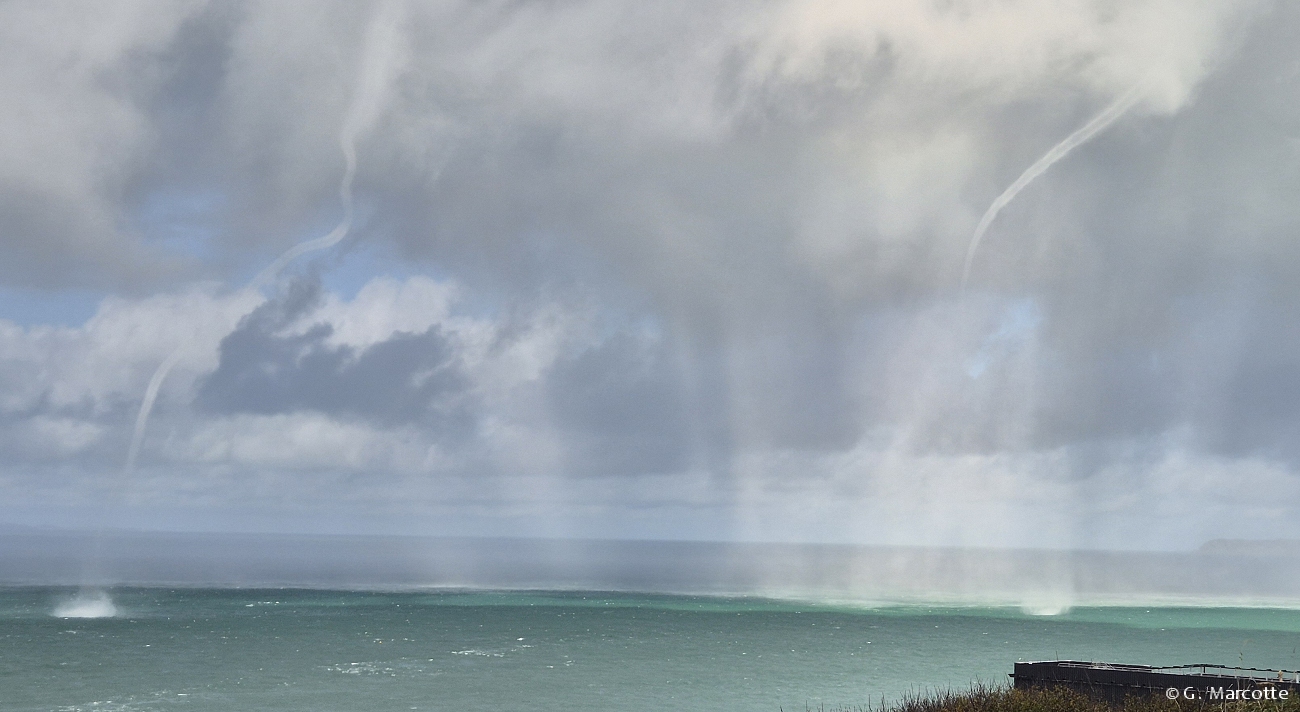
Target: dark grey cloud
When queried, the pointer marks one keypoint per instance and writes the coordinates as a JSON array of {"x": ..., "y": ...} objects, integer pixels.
[
  {"x": 266, "y": 369},
  {"x": 785, "y": 191},
  {"x": 623, "y": 407}
]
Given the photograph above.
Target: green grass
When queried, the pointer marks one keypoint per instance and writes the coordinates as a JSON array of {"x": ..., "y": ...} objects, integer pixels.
[{"x": 1002, "y": 699}]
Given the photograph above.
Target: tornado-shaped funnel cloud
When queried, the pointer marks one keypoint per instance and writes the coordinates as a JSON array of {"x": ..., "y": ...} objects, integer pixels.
[
  {"x": 320, "y": 243},
  {"x": 377, "y": 69},
  {"x": 324, "y": 242},
  {"x": 382, "y": 48},
  {"x": 1059, "y": 151},
  {"x": 146, "y": 406}
]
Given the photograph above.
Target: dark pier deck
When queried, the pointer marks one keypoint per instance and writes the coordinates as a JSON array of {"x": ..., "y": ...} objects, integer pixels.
[{"x": 1200, "y": 681}]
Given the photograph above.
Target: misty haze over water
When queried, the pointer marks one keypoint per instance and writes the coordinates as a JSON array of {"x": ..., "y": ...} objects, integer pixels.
[{"x": 1221, "y": 572}]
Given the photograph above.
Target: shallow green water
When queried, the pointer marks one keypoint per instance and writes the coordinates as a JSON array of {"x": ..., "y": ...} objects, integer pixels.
[{"x": 328, "y": 650}]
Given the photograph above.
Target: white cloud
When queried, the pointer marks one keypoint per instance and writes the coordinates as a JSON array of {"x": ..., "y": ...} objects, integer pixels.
[
  {"x": 77, "y": 132},
  {"x": 693, "y": 257},
  {"x": 92, "y": 368},
  {"x": 1010, "y": 49},
  {"x": 385, "y": 305}
]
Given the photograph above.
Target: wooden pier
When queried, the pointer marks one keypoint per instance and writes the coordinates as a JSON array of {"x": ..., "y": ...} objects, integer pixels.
[{"x": 1200, "y": 681}]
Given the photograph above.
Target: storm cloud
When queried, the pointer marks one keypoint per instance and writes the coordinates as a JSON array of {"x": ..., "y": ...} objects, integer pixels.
[
  {"x": 670, "y": 270},
  {"x": 405, "y": 378}
]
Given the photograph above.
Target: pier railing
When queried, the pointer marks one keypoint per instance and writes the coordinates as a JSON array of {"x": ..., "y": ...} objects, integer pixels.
[{"x": 1195, "y": 681}]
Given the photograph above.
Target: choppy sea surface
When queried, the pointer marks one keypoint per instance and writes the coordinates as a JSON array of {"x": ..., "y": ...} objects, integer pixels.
[{"x": 278, "y": 649}]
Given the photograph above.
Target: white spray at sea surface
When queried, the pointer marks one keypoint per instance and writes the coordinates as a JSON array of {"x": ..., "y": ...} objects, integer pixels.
[
  {"x": 1056, "y": 153},
  {"x": 86, "y": 604}
]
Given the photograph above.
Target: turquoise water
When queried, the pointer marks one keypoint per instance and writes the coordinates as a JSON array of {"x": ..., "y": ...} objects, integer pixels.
[{"x": 235, "y": 650}]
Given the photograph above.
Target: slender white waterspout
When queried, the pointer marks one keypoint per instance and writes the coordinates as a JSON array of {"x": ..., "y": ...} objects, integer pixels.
[
  {"x": 1057, "y": 152},
  {"x": 332, "y": 238},
  {"x": 377, "y": 67},
  {"x": 146, "y": 406}
]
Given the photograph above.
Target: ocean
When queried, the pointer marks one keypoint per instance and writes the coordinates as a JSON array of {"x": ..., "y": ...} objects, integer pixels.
[{"x": 332, "y": 650}]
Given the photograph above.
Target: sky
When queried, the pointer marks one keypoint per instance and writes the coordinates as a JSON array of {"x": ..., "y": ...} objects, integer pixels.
[{"x": 673, "y": 270}]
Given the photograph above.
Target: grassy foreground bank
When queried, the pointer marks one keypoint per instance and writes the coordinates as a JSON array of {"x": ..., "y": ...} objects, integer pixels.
[{"x": 1002, "y": 699}]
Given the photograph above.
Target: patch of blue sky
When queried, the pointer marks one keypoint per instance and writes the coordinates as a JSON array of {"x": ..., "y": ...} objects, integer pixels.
[
  {"x": 39, "y": 307},
  {"x": 179, "y": 222},
  {"x": 1020, "y": 320},
  {"x": 343, "y": 269},
  {"x": 183, "y": 222},
  {"x": 352, "y": 266}
]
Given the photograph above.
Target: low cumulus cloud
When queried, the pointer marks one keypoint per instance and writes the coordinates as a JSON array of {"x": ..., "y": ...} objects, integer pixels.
[
  {"x": 697, "y": 266},
  {"x": 408, "y": 377}
]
